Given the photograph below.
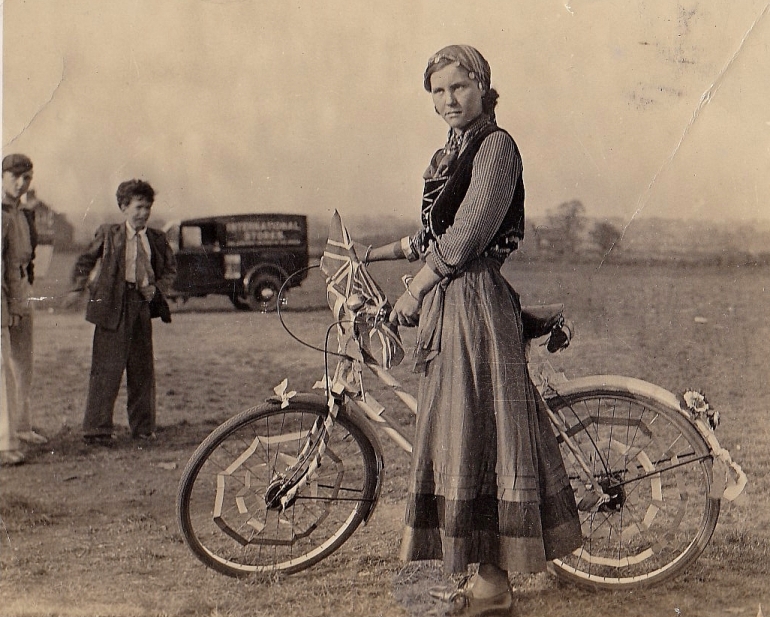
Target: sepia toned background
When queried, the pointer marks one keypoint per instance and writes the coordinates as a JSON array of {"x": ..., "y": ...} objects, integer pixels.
[
  {"x": 647, "y": 108},
  {"x": 652, "y": 114}
]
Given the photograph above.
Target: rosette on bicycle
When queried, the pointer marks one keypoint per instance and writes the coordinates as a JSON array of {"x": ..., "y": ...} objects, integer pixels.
[{"x": 358, "y": 303}]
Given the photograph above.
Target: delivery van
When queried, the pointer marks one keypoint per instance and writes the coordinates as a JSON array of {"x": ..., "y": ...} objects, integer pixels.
[{"x": 246, "y": 257}]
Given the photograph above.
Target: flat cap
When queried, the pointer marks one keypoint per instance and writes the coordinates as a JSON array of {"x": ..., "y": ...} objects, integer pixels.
[{"x": 17, "y": 163}]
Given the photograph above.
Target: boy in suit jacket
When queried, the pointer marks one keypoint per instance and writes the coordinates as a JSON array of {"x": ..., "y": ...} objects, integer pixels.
[{"x": 137, "y": 268}]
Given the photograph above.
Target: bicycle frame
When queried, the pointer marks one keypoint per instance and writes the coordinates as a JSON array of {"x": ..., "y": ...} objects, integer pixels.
[
  {"x": 376, "y": 413},
  {"x": 280, "y": 486},
  {"x": 363, "y": 310}
]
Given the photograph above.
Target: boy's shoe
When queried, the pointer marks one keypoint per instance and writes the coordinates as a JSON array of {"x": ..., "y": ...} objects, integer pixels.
[
  {"x": 32, "y": 437},
  {"x": 99, "y": 440},
  {"x": 9, "y": 458}
]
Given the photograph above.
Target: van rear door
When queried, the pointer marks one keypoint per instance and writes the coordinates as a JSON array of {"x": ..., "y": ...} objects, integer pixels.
[{"x": 200, "y": 265}]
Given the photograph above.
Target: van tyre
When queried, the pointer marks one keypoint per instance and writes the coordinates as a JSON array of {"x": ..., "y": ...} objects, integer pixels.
[
  {"x": 263, "y": 293},
  {"x": 240, "y": 303}
]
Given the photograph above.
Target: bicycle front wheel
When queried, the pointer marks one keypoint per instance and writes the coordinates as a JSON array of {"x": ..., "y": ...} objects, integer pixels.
[
  {"x": 656, "y": 469},
  {"x": 224, "y": 506}
]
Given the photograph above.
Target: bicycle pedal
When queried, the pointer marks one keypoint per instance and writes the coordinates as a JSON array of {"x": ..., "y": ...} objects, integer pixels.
[{"x": 591, "y": 500}]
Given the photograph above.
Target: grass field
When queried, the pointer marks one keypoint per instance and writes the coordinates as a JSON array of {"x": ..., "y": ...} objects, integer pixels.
[{"x": 93, "y": 532}]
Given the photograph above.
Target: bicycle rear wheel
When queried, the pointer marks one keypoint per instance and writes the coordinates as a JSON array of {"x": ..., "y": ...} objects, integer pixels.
[
  {"x": 223, "y": 503},
  {"x": 657, "y": 470}
]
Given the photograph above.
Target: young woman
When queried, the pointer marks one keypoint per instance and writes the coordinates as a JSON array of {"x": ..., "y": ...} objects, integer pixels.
[{"x": 488, "y": 484}]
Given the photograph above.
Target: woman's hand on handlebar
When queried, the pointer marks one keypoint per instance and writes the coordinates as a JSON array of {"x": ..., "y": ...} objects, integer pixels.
[
  {"x": 407, "y": 308},
  {"x": 406, "y": 311}
]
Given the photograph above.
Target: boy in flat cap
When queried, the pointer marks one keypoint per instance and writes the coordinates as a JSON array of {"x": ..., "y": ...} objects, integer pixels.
[
  {"x": 137, "y": 270},
  {"x": 17, "y": 176}
]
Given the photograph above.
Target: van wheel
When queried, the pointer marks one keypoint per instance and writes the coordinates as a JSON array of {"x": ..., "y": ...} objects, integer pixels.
[
  {"x": 263, "y": 293},
  {"x": 240, "y": 303}
]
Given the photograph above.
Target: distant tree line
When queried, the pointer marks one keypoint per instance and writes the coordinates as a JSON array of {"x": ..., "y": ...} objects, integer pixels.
[
  {"x": 52, "y": 227},
  {"x": 565, "y": 233},
  {"x": 568, "y": 232}
]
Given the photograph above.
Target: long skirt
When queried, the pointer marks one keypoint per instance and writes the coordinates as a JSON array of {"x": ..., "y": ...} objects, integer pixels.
[{"x": 488, "y": 483}]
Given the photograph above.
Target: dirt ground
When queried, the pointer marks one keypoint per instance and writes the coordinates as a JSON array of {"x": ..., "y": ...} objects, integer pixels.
[{"x": 92, "y": 531}]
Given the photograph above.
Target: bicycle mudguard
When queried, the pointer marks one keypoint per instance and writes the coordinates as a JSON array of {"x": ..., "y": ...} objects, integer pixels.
[
  {"x": 616, "y": 383},
  {"x": 355, "y": 416}
]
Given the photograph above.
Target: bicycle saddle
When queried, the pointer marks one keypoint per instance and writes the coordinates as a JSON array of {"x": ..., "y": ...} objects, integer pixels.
[{"x": 541, "y": 320}]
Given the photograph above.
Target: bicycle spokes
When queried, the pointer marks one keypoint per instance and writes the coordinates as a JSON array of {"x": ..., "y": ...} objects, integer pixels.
[
  {"x": 250, "y": 502},
  {"x": 654, "y": 472}
]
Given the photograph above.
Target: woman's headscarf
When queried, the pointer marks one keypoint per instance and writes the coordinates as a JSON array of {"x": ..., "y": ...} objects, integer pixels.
[{"x": 465, "y": 56}]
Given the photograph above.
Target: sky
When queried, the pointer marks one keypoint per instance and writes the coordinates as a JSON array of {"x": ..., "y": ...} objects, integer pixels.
[{"x": 637, "y": 108}]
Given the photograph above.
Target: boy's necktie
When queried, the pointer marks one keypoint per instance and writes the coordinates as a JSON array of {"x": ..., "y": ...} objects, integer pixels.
[{"x": 144, "y": 274}]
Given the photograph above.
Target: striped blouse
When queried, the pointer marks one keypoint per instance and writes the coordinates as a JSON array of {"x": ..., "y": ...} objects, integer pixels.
[{"x": 496, "y": 170}]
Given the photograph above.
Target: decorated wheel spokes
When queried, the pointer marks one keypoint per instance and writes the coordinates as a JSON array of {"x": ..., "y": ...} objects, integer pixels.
[
  {"x": 638, "y": 499},
  {"x": 246, "y": 506},
  {"x": 645, "y": 468}
]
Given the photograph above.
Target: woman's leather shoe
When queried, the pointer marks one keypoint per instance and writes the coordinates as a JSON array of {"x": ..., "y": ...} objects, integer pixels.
[
  {"x": 465, "y": 604},
  {"x": 446, "y": 595}
]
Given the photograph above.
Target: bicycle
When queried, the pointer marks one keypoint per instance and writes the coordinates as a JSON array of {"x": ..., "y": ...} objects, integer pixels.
[{"x": 281, "y": 486}]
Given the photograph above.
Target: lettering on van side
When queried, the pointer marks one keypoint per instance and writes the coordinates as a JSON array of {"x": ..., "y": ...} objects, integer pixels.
[{"x": 273, "y": 232}]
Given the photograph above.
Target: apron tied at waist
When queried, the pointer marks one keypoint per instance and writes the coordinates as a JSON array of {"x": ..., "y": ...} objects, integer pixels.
[{"x": 429, "y": 330}]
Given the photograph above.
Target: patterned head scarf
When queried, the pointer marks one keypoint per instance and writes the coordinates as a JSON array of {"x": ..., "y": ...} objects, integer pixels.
[{"x": 465, "y": 56}]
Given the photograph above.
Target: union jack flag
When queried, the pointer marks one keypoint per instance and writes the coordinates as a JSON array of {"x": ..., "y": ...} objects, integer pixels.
[{"x": 347, "y": 278}]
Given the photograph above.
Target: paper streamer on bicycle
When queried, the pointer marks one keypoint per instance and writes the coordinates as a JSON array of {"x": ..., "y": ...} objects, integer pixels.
[
  {"x": 729, "y": 479},
  {"x": 346, "y": 276},
  {"x": 303, "y": 471}
]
